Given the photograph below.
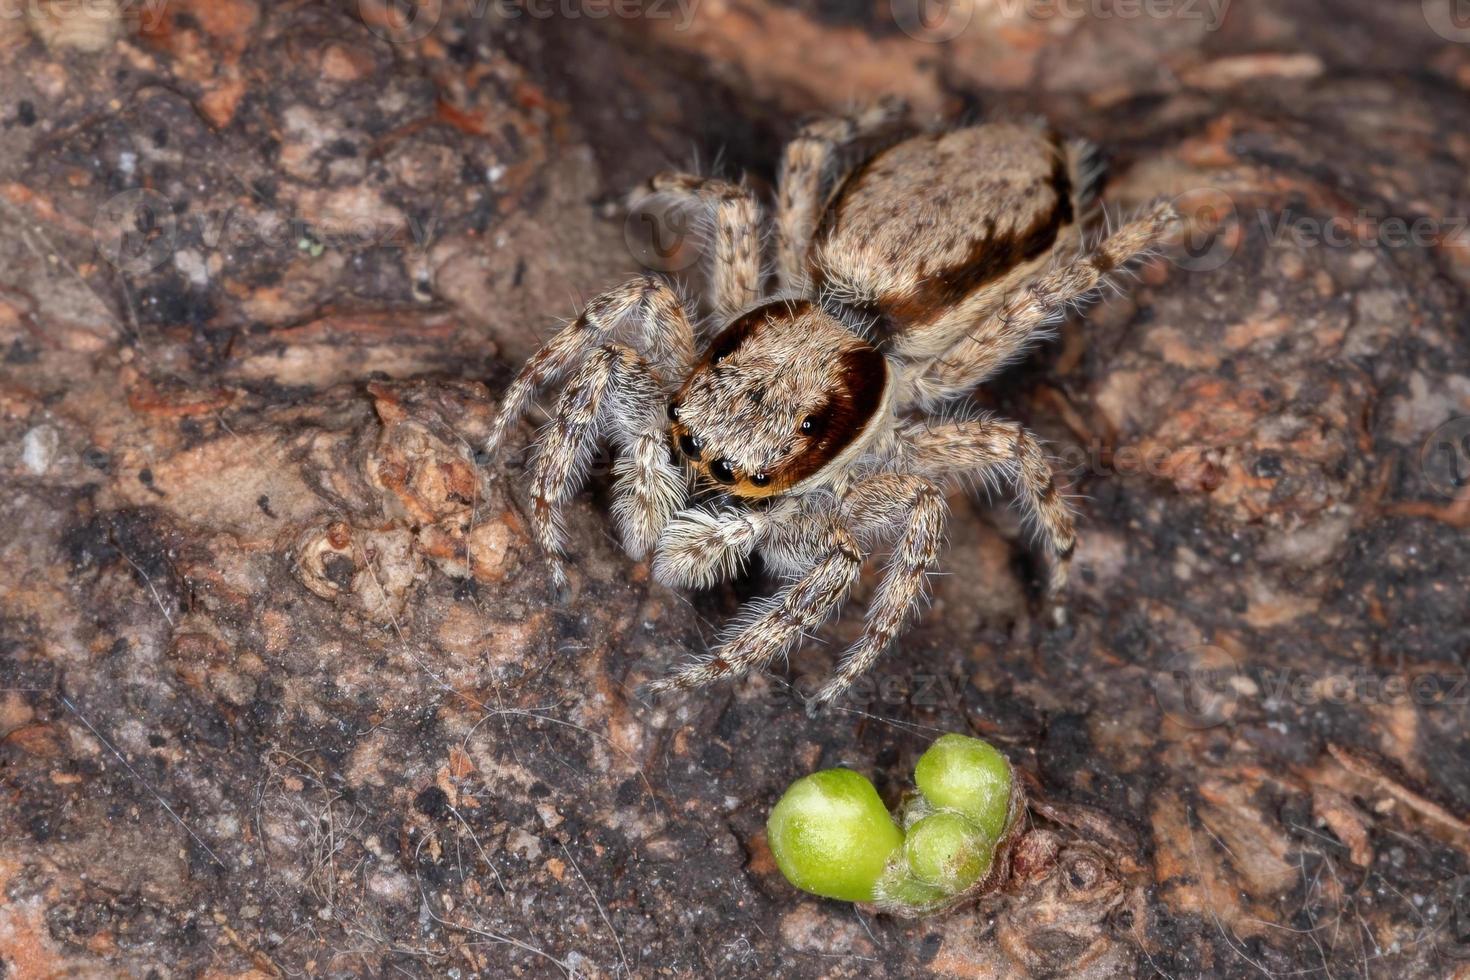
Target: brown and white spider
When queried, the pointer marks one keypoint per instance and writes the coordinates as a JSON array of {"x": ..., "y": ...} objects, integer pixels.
[{"x": 821, "y": 409}]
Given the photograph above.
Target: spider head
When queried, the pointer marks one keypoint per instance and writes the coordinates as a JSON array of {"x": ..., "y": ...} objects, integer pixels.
[{"x": 782, "y": 395}]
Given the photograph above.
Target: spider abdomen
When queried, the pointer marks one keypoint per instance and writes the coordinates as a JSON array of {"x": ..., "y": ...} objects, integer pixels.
[{"x": 940, "y": 219}]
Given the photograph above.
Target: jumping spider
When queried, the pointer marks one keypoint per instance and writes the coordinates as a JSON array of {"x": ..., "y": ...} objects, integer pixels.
[{"x": 822, "y": 411}]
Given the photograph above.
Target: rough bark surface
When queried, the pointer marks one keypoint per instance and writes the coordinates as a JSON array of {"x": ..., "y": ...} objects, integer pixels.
[{"x": 282, "y": 686}]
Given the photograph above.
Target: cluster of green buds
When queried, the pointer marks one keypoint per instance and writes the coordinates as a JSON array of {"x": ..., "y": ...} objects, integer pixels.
[{"x": 832, "y": 836}]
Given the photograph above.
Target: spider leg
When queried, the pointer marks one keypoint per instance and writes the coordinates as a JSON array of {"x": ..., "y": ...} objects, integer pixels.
[
  {"x": 1000, "y": 337},
  {"x": 916, "y": 504},
  {"x": 809, "y": 171},
  {"x": 982, "y": 447},
  {"x": 615, "y": 392},
  {"x": 662, "y": 333},
  {"x": 802, "y": 605},
  {"x": 735, "y": 268},
  {"x": 699, "y": 547}
]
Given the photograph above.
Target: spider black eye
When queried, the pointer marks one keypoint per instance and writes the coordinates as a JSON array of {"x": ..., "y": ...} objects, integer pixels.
[
  {"x": 726, "y": 344},
  {"x": 673, "y": 411},
  {"x": 722, "y": 471},
  {"x": 813, "y": 425},
  {"x": 689, "y": 446},
  {"x": 760, "y": 479}
]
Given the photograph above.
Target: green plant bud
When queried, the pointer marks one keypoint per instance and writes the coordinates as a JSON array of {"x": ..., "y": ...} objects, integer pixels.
[
  {"x": 968, "y": 775},
  {"x": 832, "y": 836},
  {"x": 900, "y": 892},
  {"x": 948, "y": 851},
  {"x": 911, "y": 809}
]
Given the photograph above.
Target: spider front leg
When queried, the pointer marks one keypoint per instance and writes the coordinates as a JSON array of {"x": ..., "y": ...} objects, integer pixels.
[
  {"x": 888, "y": 500},
  {"x": 982, "y": 447},
  {"x": 780, "y": 621},
  {"x": 808, "y": 170},
  {"x": 735, "y": 269},
  {"x": 699, "y": 548},
  {"x": 999, "y": 338},
  {"x": 615, "y": 392},
  {"x": 661, "y": 329}
]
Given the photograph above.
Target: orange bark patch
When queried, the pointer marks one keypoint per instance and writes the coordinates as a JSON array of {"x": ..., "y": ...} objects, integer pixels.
[{"x": 176, "y": 401}]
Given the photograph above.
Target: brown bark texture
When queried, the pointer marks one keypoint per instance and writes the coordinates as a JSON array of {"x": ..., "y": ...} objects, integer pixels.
[{"x": 283, "y": 686}]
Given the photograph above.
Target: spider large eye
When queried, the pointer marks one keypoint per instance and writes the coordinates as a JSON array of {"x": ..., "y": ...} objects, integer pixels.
[
  {"x": 760, "y": 479},
  {"x": 689, "y": 446},
  {"x": 725, "y": 346},
  {"x": 721, "y": 470},
  {"x": 813, "y": 425}
]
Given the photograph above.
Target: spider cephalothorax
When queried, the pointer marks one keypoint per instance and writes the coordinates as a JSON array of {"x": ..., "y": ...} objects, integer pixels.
[
  {"x": 784, "y": 394},
  {"x": 901, "y": 283}
]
